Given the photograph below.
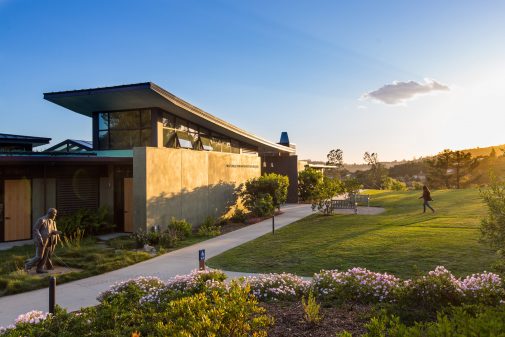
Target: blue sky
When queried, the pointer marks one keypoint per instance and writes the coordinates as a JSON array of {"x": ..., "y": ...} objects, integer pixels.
[{"x": 359, "y": 76}]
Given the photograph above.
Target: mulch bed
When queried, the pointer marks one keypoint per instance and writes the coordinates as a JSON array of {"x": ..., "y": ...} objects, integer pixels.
[
  {"x": 289, "y": 320},
  {"x": 233, "y": 226}
]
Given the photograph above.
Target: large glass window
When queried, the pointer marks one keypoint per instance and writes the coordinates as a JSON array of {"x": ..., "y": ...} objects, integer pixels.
[
  {"x": 123, "y": 130},
  {"x": 178, "y": 132}
]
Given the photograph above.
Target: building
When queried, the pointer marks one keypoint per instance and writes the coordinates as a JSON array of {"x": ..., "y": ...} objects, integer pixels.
[{"x": 153, "y": 157}]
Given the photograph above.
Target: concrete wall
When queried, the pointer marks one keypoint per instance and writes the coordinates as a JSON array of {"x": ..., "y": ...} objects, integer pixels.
[
  {"x": 287, "y": 166},
  {"x": 186, "y": 184},
  {"x": 39, "y": 204}
]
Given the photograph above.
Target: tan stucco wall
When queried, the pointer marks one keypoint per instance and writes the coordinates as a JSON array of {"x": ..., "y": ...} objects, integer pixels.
[
  {"x": 38, "y": 207},
  {"x": 186, "y": 184}
]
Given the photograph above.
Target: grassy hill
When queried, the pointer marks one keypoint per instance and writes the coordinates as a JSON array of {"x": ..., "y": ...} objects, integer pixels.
[{"x": 402, "y": 241}]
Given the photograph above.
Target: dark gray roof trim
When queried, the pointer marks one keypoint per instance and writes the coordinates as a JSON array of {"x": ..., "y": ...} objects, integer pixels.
[{"x": 19, "y": 139}]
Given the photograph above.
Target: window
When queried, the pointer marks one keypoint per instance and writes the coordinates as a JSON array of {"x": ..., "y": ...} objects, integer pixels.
[{"x": 122, "y": 130}]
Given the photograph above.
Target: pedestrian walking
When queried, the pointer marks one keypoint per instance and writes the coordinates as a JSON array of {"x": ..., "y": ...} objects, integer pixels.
[{"x": 426, "y": 198}]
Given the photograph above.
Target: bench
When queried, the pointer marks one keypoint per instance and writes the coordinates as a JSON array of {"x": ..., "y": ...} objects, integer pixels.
[
  {"x": 342, "y": 204},
  {"x": 360, "y": 199}
]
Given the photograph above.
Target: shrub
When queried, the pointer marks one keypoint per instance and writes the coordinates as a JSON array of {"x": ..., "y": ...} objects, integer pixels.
[
  {"x": 433, "y": 291},
  {"x": 261, "y": 194},
  {"x": 389, "y": 183},
  {"x": 308, "y": 181},
  {"x": 460, "y": 321},
  {"x": 209, "y": 227},
  {"x": 326, "y": 190},
  {"x": 267, "y": 287},
  {"x": 179, "y": 229},
  {"x": 132, "y": 290},
  {"x": 311, "y": 309},
  {"x": 239, "y": 216},
  {"x": 232, "y": 313},
  {"x": 493, "y": 226},
  {"x": 92, "y": 222},
  {"x": 355, "y": 285}
]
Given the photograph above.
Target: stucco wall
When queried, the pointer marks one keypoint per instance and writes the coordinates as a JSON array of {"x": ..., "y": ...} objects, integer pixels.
[{"x": 186, "y": 184}]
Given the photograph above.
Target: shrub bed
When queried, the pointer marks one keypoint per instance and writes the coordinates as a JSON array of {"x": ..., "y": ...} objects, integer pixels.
[{"x": 202, "y": 302}]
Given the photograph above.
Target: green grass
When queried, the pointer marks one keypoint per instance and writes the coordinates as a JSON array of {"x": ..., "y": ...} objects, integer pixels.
[
  {"x": 91, "y": 259},
  {"x": 402, "y": 241}
]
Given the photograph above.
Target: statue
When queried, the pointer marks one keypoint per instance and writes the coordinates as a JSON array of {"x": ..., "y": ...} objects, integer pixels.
[{"x": 45, "y": 237}]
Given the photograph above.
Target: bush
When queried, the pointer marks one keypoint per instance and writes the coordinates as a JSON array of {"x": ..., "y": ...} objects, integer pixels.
[
  {"x": 91, "y": 222},
  {"x": 272, "y": 287},
  {"x": 357, "y": 285},
  {"x": 311, "y": 309},
  {"x": 308, "y": 181},
  {"x": 179, "y": 229},
  {"x": 209, "y": 227},
  {"x": 232, "y": 313},
  {"x": 389, "y": 183},
  {"x": 460, "y": 321},
  {"x": 326, "y": 190},
  {"x": 493, "y": 226},
  {"x": 260, "y": 195},
  {"x": 239, "y": 216}
]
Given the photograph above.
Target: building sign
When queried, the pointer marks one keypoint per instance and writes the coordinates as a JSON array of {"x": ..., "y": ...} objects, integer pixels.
[{"x": 242, "y": 166}]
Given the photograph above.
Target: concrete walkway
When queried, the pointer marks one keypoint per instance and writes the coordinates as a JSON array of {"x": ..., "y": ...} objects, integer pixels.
[{"x": 83, "y": 293}]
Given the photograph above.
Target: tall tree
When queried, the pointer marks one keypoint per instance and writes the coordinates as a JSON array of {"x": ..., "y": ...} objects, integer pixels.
[
  {"x": 377, "y": 171},
  {"x": 335, "y": 157},
  {"x": 463, "y": 164},
  {"x": 440, "y": 169}
]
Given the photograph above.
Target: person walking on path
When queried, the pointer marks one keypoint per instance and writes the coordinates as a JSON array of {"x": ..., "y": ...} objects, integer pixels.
[
  {"x": 427, "y": 198},
  {"x": 45, "y": 237}
]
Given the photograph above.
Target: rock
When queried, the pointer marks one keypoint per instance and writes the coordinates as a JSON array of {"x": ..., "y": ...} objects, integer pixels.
[{"x": 149, "y": 249}]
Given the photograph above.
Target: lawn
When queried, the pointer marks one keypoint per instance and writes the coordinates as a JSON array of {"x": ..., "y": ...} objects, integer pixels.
[{"x": 402, "y": 240}]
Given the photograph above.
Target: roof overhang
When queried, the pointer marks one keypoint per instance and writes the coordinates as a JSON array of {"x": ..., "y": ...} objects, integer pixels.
[
  {"x": 149, "y": 95},
  {"x": 25, "y": 140}
]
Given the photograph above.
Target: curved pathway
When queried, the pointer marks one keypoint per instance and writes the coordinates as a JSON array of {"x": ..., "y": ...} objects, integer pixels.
[{"x": 83, "y": 293}]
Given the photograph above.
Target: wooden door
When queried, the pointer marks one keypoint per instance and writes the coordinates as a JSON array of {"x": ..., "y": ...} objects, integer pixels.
[
  {"x": 128, "y": 204},
  {"x": 17, "y": 222}
]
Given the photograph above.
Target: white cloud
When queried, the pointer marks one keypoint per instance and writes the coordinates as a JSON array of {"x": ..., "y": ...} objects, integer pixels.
[{"x": 399, "y": 92}]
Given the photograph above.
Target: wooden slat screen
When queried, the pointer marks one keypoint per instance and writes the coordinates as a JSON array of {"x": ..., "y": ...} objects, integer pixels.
[{"x": 74, "y": 194}]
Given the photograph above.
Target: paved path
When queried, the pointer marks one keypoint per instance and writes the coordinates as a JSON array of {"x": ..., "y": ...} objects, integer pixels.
[{"x": 83, "y": 293}]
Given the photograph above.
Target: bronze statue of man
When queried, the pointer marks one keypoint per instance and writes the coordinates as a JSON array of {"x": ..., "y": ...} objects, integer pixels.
[{"x": 45, "y": 237}]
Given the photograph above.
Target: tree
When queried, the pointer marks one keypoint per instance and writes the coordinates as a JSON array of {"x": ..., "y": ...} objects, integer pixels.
[
  {"x": 308, "y": 181},
  {"x": 463, "y": 164},
  {"x": 336, "y": 158},
  {"x": 326, "y": 190},
  {"x": 377, "y": 171},
  {"x": 493, "y": 226},
  {"x": 440, "y": 173},
  {"x": 260, "y": 193},
  {"x": 492, "y": 154}
]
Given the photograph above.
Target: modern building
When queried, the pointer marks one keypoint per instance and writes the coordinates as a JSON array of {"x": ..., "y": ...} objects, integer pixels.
[{"x": 154, "y": 156}]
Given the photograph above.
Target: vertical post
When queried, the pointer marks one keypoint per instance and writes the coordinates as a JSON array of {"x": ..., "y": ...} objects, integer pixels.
[
  {"x": 201, "y": 259},
  {"x": 52, "y": 294},
  {"x": 273, "y": 224}
]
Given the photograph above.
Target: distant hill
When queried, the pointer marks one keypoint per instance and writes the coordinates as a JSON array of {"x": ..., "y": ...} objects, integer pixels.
[{"x": 485, "y": 151}]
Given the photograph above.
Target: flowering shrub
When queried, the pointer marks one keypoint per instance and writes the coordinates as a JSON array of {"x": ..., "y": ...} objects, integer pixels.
[
  {"x": 356, "y": 284},
  {"x": 277, "y": 286},
  {"x": 132, "y": 289},
  {"x": 437, "y": 289},
  {"x": 32, "y": 317},
  {"x": 483, "y": 288},
  {"x": 180, "y": 285}
]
